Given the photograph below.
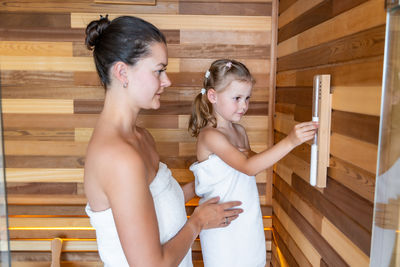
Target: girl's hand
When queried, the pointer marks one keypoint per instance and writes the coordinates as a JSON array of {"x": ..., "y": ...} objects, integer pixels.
[
  {"x": 210, "y": 214},
  {"x": 302, "y": 132}
]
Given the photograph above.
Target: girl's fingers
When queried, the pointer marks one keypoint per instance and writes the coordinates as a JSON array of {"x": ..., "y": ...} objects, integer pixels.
[
  {"x": 307, "y": 128},
  {"x": 305, "y": 124}
]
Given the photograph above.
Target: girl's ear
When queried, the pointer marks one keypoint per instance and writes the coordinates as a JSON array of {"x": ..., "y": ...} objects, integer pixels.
[
  {"x": 120, "y": 72},
  {"x": 212, "y": 95}
]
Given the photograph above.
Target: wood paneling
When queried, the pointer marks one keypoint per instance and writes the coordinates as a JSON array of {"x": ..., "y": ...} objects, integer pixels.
[
  {"x": 311, "y": 234},
  {"x": 296, "y": 10},
  {"x": 347, "y": 23},
  {"x": 356, "y": 233},
  {"x": 368, "y": 43},
  {"x": 225, "y": 37},
  {"x": 238, "y": 9},
  {"x": 319, "y": 12},
  {"x": 358, "y": 126},
  {"x": 188, "y": 22},
  {"x": 286, "y": 240},
  {"x": 346, "y": 40},
  {"x": 31, "y": 6},
  {"x": 52, "y": 97}
]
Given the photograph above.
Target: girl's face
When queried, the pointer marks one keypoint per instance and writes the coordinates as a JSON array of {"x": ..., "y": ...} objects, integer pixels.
[
  {"x": 148, "y": 78},
  {"x": 232, "y": 102}
]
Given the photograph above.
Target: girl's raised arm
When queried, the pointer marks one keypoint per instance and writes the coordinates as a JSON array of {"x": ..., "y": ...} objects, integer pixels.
[{"x": 216, "y": 142}]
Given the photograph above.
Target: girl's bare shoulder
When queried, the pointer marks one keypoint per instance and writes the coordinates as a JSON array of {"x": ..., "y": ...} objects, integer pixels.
[{"x": 210, "y": 133}]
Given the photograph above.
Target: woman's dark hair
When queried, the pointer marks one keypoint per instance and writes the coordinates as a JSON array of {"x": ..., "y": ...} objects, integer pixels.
[
  {"x": 125, "y": 39},
  {"x": 220, "y": 74}
]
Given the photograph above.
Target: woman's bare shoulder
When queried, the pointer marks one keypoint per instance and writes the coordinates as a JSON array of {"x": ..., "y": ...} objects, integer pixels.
[{"x": 113, "y": 157}]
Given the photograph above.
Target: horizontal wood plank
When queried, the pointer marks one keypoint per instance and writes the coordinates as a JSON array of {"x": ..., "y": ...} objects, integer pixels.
[
  {"x": 34, "y": 188},
  {"x": 37, "y": 19},
  {"x": 363, "y": 99},
  {"x": 46, "y": 199},
  {"x": 366, "y": 72},
  {"x": 34, "y": 78},
  {"x": 358, "y": 126},
  {"x": 52, "y": 92},
  {"x": 39, "y": 134},
  {"x": 233, "y": 37},
  {"x": 38, "y": 106},
  {"x": 30, "y": 6},
  {"x": 41, "y": 34},
  {"x": 359, "y": 153},
  {"x": 195, "y": 22},
  {"x": 24, "y": 48},
  {"x": 27, "y": 175},
  {"x": 221, "y": 8},
  {"x": 355, "y": 178}
]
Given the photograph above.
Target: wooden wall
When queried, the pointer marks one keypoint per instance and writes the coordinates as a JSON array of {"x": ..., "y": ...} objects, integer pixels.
[
  {"x": 331, "y": 226},
  {"x": 51, "y": 98}
]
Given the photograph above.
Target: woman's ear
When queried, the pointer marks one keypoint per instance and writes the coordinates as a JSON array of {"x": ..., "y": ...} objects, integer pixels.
[
  {"x": 120, "y": 72},
  {"x": 212, "y": 95}
]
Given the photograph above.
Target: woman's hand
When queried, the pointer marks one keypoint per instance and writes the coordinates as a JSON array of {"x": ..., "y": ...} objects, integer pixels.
[
  {"x": 210, "y": 214},
  {"x": 302, "y": 132}
]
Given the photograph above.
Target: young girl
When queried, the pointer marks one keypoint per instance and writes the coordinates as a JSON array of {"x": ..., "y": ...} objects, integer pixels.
[{"x": 226, "y": 165}]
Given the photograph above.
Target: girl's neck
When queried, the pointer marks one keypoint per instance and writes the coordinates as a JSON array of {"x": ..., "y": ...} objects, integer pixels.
[{"x": 223, "y": 123}]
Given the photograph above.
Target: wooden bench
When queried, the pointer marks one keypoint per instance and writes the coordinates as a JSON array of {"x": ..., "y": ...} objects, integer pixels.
[{"x": 35, "y": 221}]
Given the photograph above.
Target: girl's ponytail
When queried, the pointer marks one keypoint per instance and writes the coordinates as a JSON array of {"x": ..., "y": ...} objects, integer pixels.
[{"x": 202, "y": 114}]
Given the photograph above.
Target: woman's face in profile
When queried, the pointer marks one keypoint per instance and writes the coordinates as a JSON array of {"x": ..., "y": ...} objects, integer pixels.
[{"x": 148, "y": 77}]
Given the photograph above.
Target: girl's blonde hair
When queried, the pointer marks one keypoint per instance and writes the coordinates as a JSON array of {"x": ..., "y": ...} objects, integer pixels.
[{"x": 220, "y": 74}]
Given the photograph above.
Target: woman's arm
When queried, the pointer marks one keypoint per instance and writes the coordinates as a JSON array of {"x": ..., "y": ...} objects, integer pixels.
[
  {"x": 216, "y": 142},
  {"x": 135, "y": 218}
]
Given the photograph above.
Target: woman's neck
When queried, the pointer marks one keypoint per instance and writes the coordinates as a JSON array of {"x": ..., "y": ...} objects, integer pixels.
[{"x": 118, "y": 112}]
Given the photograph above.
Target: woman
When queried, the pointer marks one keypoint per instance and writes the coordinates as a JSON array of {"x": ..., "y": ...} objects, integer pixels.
[{"x": 135, "y": 205}]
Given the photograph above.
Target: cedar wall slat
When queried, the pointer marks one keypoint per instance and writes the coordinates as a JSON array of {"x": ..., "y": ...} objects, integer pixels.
[
  {"x": 51, "y": 98},
  {"x": 336, "y": 220}
]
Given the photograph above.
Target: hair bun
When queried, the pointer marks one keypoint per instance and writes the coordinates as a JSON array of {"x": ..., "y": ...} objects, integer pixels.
[{"x": 94, "y": 30}]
